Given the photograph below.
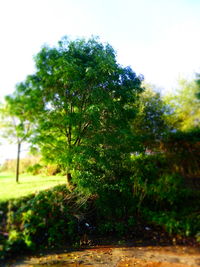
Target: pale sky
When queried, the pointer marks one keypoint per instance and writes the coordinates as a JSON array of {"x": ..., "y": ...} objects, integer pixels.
[{"x": 157, "y": 38}]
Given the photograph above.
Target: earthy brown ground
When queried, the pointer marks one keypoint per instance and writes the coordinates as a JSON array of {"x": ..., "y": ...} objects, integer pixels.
[{"x": 140, "y": 256}]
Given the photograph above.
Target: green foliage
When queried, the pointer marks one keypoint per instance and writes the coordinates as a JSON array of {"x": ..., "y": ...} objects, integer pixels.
[
  {"x": 183, "y": 152},
  {"x": 151, "y": 122},
  {"x": 115, "y": 216},
  {"x": 105, "y": 174},
  {"x": 31, "y": 164},
  {"x": 175, "y": 222},
  {"x": 93, "y": 122},
  {"x": 46, "y": 219},
  {"x": 10, "y": 164},
  {"x": 185, "y": 106},
  {"x": 197, "y": 80},
  {"x": 153, "y": 182},
  {"x": 34, "y": 169},
  {"x": 44, "y": 169},
  {"x": 83, "y": 105},
  {"x": 15, "y": 124},
  {"x": 162, "y": 196},
  {"x": 43, "y": 220}
]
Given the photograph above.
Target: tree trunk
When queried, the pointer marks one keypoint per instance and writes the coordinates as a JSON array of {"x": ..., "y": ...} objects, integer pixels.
[
  {"x": 18, "y": 161},
  {"x": 69, "y": 182}
]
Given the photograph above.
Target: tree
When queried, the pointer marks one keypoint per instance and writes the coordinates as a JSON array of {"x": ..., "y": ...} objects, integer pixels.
[
  {"x": 185, "y": 105},
  {"x": 197, "y": 80},
  {"x": 82, "y": 101},
  {"x": 15, "y": 126},
  {"x": 151, "y": 123},
  {"x": 182, "y": 145},
  {"x": 182, "y": 149}
]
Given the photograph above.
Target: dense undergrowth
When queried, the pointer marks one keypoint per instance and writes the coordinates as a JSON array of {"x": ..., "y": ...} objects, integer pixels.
[{"x": 148, "y": 195}]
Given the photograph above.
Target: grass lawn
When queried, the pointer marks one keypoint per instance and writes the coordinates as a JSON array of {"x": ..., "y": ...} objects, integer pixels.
[{"x": 27, "y": 184}]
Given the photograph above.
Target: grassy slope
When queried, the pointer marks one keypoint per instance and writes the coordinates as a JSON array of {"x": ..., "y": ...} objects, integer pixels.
[{"x": 27, "y": 184}]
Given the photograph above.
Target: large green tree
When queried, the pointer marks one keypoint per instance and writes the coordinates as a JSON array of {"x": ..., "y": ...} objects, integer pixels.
[{"x": 82, "y": 102}]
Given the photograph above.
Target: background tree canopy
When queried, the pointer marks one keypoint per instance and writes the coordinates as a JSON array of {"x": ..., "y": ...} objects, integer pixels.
[
  {"x": 152, "y": 121},
  {"x": 185, "y": 105},
  {"x": 81, "y": 101}
]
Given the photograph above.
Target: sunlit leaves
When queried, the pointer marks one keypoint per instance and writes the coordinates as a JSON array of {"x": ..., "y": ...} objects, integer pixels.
[
  {"x": 185, "y": 105},
  {"x": 81, "y": 101}
]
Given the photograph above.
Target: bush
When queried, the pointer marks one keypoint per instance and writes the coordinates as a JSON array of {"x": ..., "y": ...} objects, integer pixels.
[
  {"x": 114, "y": 210},
  {"x": 153, "y": 183},
  {"x": 34, "y": 169},
  {"x": 51, "y": 169},
  {"x": 147, "y": 192},
  {"x": 48, "y": 170},
  {"x": 182, "y": 223},
  {"x": 43, "y": 220},
  {"x": 162, "y": 197},
  {"x": 183, "y": 152}
]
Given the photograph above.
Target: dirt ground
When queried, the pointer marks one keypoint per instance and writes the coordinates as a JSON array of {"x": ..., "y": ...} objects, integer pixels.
[{"x": 119, "y": 256}]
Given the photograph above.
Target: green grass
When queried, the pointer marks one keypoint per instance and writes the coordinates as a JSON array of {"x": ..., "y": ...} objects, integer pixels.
[{"x": 28, "y": 184}]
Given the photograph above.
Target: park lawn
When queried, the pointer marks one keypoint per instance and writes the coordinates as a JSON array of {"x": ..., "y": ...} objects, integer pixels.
[{"x": 28, "y": 184}]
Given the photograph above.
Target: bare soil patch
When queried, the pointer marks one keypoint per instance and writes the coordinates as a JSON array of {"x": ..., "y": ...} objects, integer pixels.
[{"x": 115, "y": 256}]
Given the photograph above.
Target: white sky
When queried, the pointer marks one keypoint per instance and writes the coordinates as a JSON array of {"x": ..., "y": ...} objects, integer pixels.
[{"x": 157, "y": 38}]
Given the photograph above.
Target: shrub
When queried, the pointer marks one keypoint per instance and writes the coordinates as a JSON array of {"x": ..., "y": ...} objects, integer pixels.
[
  {"x": 35, "y": 169},
  {"x": 51, "y": 169},
  {"x": 147, "y": 192},
  {"x": 43, "y": 220},
  {"x": 182, "y": 149},
  {"x": 182, "y": 222},
  {"x": 153, "y": 183}
]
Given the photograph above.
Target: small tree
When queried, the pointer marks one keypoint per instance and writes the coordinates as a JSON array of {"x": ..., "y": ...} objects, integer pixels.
[{"x": 15, "y": 126}]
